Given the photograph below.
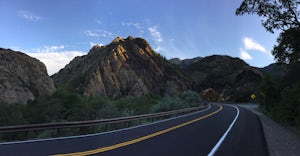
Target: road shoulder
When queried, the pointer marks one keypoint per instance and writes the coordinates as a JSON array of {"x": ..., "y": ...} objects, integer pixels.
[{"x": 280, "y": 140}]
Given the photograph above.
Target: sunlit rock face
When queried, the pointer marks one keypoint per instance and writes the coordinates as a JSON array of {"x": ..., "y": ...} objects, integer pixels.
[
  {"x": 124, "y": 67},
  {"x": 22, "y": 77}
]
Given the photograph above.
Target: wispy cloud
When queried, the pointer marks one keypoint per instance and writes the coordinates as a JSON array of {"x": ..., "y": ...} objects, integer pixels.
[
  {"x": 99, "y": 22},
  {"x": 159, "y": 49},
  {"x": 95, "y": 44},
  {"x": 99, "y": 33},
  {"x": 54, "y": 57},
  {"x": 155, "y": 33},
  {"x": 245, "y": 55},
  {"x": 52, "y": 48},
  {"x": 107, "y": 34},
  {"x": 29, "y": 16},
  {"x": 250, "y": 44},
  {"x": 136, "y": 25},
  {"x": 92, "y": 34}
]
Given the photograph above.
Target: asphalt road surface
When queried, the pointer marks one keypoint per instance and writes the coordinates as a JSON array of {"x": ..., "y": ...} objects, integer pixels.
[{"x": 219, "y": 130}]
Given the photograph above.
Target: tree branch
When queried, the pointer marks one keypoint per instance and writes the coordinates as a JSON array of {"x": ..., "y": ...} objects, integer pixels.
[{"x": 293, "y": 13}]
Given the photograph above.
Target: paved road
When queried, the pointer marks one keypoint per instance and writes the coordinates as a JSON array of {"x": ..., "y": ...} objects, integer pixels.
[{"x": 219, "y": 130}]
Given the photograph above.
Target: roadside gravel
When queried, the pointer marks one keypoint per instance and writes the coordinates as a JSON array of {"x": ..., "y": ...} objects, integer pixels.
[{"x": 280, "y": 140}]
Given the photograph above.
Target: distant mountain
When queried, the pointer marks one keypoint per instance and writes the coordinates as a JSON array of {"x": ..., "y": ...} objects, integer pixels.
[
  {"x": 230, "y": 77},
  {"x": 124, "y": 67},
  {"x": 277, "y": 70},
  {"x": 22, "y": 77},
  {"x": 184, "y": 63}
]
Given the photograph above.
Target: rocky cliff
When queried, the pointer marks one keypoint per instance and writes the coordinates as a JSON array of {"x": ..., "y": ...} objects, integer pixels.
[
  {"x": 22, "y": 77},
  {"x": 124, "y": 67}
]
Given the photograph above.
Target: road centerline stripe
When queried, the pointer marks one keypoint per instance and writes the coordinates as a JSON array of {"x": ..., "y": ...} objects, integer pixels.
[
  {"x": 126, "y": 143},
  {"x": 216, "y": 147}
]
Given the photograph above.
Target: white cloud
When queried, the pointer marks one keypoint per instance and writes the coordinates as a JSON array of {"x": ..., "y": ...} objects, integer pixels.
[
  {"x": 55, "y": 61},
  {"x": 29, "y": 16},
  {"x": 245, "y": 55},
  {"x": 159, "y": 49},
  {"x": 99, "y": 33},
  {"x": 106, "y": 34},
  {"x": 250, "y": 44},
  {"x": 95, "y": 44},
  {"x": 92, "y": 34},
  {"x": 54, "y": 57},
  {"x": 136, "y": 25},
  {"x": 99, "y": 22},
  {"x": 51, "y": 48},
  {"x": 155, "y": 34}
]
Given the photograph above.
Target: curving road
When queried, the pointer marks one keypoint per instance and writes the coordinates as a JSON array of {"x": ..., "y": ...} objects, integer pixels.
[{"x": 218, "y": 130}]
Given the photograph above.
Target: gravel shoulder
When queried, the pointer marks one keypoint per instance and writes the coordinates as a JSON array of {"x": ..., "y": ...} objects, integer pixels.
[{"x": 280, "y": 140}]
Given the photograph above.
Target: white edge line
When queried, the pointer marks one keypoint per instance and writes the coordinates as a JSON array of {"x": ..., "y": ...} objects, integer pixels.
[
  {"x": 216, "y": 147},
  {"x": 102, "y": 133}
]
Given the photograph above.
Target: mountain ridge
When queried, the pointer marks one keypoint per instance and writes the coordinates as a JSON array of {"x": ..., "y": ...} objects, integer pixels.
[{"x": 130, "y": 67}]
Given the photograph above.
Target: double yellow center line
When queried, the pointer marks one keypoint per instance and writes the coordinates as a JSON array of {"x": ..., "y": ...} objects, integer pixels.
[{"x": 112, "y": 147}]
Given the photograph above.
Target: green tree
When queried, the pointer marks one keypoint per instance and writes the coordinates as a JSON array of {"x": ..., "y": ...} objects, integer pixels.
[
  {"x": 11, "y": 114},
  {"x": 268, "y": 89},
  {"x": 291, "y": 104},
  {"x": 288, "y": 48},
  {"x": 280, "y": 15}
]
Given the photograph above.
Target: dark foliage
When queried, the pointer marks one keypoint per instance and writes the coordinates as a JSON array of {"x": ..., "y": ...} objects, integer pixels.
[{"x": 280, "y": 15}]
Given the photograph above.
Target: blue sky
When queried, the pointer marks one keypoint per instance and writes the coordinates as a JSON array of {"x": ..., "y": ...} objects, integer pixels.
[{"x": 55, "y": 31}]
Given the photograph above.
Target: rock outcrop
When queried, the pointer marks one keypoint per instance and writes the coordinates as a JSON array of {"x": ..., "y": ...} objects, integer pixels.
[
  {"x": 124, "y": 67},
  {"x": 22, "y": 77}
]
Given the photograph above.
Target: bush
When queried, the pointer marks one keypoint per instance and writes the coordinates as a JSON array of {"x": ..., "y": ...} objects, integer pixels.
[
  {"x": 11, "y": 114},
  {"x": 291, "y": 104},
  {"x": 191, "y": 99},
  {"x": 173, "y": 101},
  {"x": 168, "y": 103}
]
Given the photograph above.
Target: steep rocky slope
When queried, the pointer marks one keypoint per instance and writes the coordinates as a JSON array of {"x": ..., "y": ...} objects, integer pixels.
[
  {"x": 22, "y": 77},
  {"x": 124, "y": 67}
]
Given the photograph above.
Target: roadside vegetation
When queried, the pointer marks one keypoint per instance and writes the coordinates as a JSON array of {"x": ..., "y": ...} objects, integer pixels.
[
  {"x": 66, "y": 105},
  {"x": 281, "y": 96}
]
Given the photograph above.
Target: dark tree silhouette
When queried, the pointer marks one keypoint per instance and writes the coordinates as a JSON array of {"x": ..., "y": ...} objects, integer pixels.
[{"x": 280, "y": 15}]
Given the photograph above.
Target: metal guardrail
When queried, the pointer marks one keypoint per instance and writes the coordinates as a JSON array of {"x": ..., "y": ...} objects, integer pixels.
[{"x": 76, "y": 124}]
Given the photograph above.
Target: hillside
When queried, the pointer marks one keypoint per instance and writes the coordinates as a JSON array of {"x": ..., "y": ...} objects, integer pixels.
[
  {"x": 124, "y": 67},
  {"x": 231, "y": 77},
  {"x": 22, "y": 77},
  {"x": 276, "y": 70}
]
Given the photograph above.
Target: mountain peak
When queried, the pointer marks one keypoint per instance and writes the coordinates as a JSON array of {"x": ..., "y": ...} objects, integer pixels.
[
  {"x": 124, "y": 67},
  {"x": 118, "y": 39},
  {"x": 130, "y": 38}
]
